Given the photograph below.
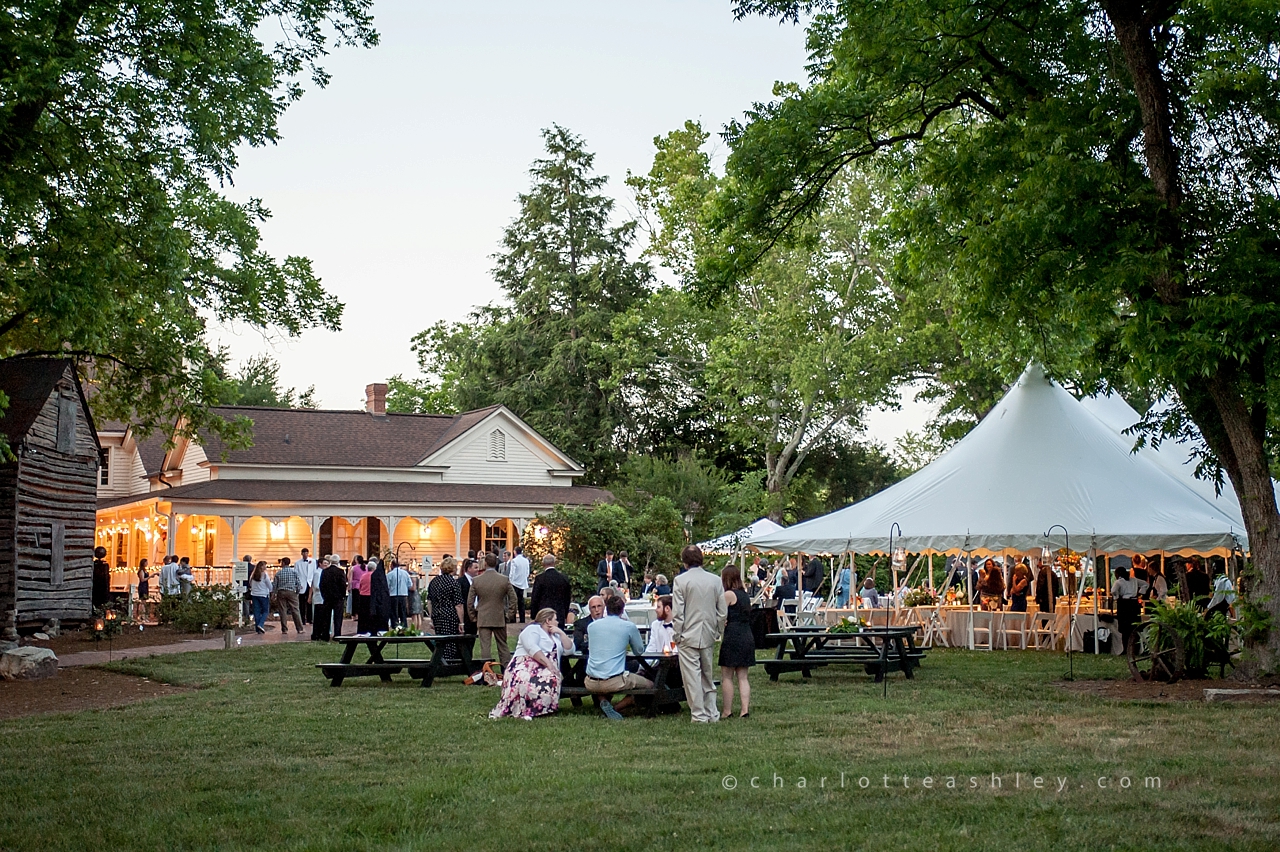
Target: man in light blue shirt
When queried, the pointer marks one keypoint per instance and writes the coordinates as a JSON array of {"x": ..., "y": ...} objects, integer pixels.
[
  {"x": 398, "y": 585},
  {"x": 610, "y": 638}
]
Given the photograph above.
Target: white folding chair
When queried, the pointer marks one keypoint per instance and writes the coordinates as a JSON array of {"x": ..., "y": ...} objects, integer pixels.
[
  {"x": 1012, "y": 625},
  {"x": 937, "y": 628},
  {"x": 1044, "y": 633},
  {"x": 983, "y": 630}
]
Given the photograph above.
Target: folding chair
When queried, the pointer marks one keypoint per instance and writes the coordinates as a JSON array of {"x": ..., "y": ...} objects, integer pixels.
[
  {"x": 983, "y": 626},
  {"x": 1012, "y": 625},
  {"x": 936, "y": 628},
  {"x": 807, "y": 612},
  {"x": 1044, "y": 632}
]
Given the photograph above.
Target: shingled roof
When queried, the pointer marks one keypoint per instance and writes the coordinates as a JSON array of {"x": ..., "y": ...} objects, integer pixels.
[
  {"x": 303, "y": 437},
  {"x": 437, "y": 493}
]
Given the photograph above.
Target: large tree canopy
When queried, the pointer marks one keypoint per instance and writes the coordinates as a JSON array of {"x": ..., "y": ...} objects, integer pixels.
[
  {"x": 1099, "y": 182},
  {"x": 119, "y": 121}
]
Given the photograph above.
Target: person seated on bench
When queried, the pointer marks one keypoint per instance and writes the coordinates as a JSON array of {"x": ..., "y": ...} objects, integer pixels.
[
  {"x": 595, "y": 612},
  {"x": 660, "y": 631},
  {"x": 531, "y": 684},
  {"x": 610, "y": 638}
]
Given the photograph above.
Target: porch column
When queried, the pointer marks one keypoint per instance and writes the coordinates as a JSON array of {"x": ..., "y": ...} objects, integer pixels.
[
  {"x": 392, "y": 522},
  {"x": 315, "y": 539},
  {"x": 457, "y": 539},
  {"x": 173, "y": 533}
]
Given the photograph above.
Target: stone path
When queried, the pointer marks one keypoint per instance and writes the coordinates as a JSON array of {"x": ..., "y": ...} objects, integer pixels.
[
  {"x": 89, "y": 658},
  {"x": 271, "y": 637}
]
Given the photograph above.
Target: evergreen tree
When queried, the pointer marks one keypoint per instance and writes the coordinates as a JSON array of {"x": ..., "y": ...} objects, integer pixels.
[{"x": 566, "y": 274}]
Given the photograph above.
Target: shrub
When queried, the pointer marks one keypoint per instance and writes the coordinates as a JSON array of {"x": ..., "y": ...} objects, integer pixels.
[{"x": 216, "y": 606}]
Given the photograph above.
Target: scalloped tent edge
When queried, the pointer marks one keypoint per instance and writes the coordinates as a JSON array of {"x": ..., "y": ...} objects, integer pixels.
[{"x": 1038, "y": 459}]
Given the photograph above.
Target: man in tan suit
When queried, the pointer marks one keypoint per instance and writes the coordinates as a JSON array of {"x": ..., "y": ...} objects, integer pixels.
[
  {"x": 488, "y": 600},
  {"x": 699, "y": 613}
]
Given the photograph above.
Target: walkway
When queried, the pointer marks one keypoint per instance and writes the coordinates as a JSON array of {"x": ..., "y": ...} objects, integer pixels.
[{"x": 271, "y": 637}]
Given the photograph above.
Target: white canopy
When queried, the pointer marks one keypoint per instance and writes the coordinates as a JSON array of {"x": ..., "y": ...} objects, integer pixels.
[
  {"x": 1174, "y": 456},
  {"x": 734, "y": 541},
  {"x": 1039, "y": 458}
]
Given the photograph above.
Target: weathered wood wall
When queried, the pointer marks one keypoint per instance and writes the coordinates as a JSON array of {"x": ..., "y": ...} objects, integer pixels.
[
  {"x": 56, "y": 498},
  {"x": 8, "y": 534}
]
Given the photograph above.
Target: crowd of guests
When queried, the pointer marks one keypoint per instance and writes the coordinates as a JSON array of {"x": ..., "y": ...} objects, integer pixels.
[{"x": 693, "y": 614}]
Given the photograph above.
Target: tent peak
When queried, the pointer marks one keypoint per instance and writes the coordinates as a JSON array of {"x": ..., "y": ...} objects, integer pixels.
[{"x": 1033, "y": 372}]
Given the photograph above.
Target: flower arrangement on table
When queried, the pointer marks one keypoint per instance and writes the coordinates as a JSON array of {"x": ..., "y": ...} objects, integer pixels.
[
  {"x": 847, "y": 625},
  {"x": 1067, "y": 561},
  {"x": 921, "y": 596},
  {"x": 402, "y": 631}
]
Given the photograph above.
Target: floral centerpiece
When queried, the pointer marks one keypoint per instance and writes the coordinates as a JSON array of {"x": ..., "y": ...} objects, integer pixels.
[
  {"x": 402, "y": 631},
  {"x": 920, "y": 597},
  {"x": 1067, "y": 561},
  {"x": 847, "y": 625}
]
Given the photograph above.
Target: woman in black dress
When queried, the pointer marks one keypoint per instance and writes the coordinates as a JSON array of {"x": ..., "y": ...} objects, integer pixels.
[
  {"x": 738, "y": 649},
  {"x": 445, "y": 596}
]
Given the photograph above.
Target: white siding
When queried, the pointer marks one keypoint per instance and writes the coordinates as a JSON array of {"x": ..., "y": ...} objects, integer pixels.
[
  {"x": 191, "y": 469},
  {"x": 470, "y": 462},
  {"x": 127, "y": 476}
]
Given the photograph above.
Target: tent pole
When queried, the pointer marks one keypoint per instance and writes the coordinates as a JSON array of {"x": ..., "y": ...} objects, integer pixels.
[
  {"x": 968, "y": 582},
  {"x": 1093, "y": 556}
]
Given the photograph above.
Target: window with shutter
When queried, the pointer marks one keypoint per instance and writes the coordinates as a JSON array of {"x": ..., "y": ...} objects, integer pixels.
[
  {"x": 497, "y": 446},
  {"x": 68, "y": 412}
]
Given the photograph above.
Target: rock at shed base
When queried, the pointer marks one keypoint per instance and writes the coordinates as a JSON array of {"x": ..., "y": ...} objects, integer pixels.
[{"x": 28, "y": 664}]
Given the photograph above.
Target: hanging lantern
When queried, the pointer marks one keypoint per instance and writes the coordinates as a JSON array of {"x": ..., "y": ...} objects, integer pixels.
[
  {"x": 899, "y": 558},
  {"x": 1046, "y": 555}
]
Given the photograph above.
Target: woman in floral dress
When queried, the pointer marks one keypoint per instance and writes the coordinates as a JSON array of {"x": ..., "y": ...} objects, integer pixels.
[
  {"x": 531, "y": 683},
  {"x": 445, "y": 596}
]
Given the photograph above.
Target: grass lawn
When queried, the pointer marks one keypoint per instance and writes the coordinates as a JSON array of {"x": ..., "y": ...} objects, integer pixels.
[{"x": 267, "y": 755}]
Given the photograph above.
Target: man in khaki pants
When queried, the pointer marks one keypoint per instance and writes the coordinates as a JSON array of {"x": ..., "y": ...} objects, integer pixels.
[
  {"x": 699, "y": 615},
  {"x": 488, "y": 600}
]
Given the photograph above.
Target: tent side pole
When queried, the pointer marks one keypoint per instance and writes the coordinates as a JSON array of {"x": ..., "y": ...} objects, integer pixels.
[{"x": 1097, "y": 589}]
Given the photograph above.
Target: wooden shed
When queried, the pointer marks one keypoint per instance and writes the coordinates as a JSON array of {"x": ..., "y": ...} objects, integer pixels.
[{"x": 48, "y": 495}]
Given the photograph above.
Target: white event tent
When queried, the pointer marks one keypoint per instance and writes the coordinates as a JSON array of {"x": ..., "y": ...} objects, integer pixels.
[
  {"x": 734, "y": 541},
  {"x": 1038, "y": 459},
  {"x": 1174, "y": 456}
]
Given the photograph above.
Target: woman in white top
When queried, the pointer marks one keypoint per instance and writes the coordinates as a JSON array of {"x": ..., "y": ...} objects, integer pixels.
[{"x": 531, "y": 683}]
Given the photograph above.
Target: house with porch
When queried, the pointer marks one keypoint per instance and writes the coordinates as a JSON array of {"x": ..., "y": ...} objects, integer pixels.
[{"x": 345, "y": 482}]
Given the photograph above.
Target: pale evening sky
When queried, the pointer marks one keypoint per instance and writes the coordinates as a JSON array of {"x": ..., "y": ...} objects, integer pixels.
[{"x": 397, "y": 179}]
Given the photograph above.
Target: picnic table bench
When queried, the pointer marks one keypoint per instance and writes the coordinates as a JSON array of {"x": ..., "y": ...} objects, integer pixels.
[
  {"x": 879, "y": 650},
  {"x": 662, "y": 669},
  {"x": 426, "y": 670}
]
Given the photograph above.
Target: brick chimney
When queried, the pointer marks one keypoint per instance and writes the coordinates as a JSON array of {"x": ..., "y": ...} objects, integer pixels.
[{"x": 375, "y": 399}]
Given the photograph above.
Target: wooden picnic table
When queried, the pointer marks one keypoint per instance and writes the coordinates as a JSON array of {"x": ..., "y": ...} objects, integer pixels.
[
  {"x": 662, "y": 669},
  {"x": 425, "y": 669},
  {"x": 879, "y": 650}
]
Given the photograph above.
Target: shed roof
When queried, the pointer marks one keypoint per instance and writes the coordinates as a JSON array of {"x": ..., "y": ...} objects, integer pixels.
[{"x": 28, "y": 382}]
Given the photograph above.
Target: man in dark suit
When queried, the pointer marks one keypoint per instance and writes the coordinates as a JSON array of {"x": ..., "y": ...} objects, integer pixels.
[
  {"x": 595, "y": 606},
  {"x": 551, "y": 589},
  {"x": 622, "y": 570},
  {"x": 813, "y": 575},
  {"x": 464, "y": 584},
  {"x": 604, "y": 570}
]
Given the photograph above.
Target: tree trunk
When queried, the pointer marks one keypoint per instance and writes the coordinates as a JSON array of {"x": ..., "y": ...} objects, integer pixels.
[{"x": 1233, "y": 431}]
